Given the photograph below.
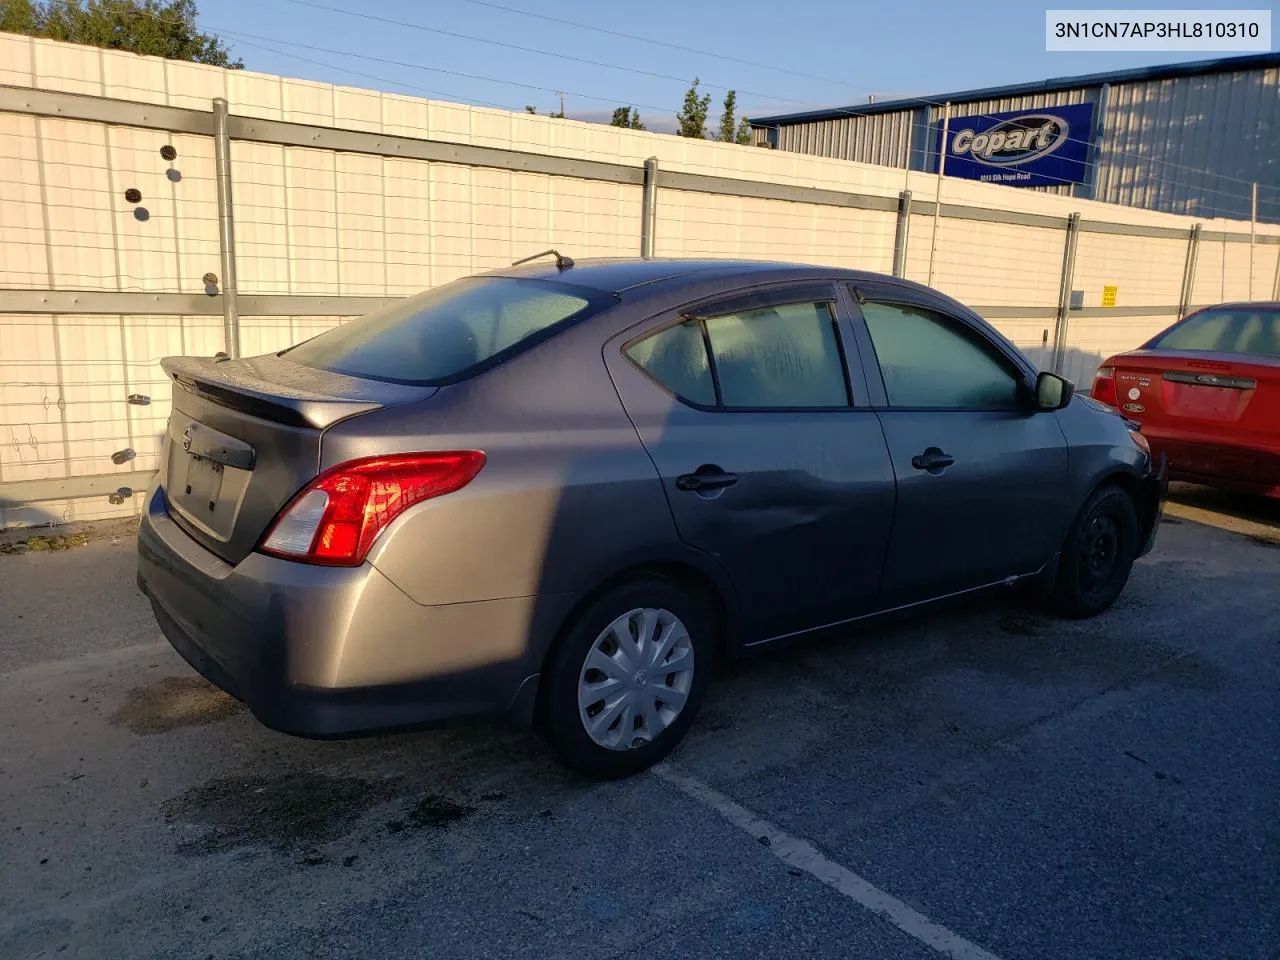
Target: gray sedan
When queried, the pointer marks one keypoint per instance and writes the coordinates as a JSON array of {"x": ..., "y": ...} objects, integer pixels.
[{"x": 559, "y": 492}]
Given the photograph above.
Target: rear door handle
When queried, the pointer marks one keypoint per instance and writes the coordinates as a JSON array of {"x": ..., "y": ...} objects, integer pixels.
[
  {"x": 933, "y": 460},
  {"x": 706, "y": 478}
]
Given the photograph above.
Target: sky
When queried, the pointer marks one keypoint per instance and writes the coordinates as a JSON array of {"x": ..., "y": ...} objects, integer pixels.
[{"x": 780, "y": 57}]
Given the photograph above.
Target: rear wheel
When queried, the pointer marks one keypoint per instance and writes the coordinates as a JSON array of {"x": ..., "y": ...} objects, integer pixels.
[
  {"x": 1098, "y": 554},
  {"x": 625, "y": 681}
]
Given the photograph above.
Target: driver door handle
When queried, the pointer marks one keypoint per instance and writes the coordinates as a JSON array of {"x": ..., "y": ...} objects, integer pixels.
[
  {"x": 706, "y": 478},
  {"x": 933, "y": 460}
]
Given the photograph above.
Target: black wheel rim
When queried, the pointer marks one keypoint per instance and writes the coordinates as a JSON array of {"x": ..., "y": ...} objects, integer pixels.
[{"x": 1100, "y": 548}]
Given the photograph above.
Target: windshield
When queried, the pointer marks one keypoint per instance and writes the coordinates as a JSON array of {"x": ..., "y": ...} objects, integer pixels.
[
  {"x": 451, "y": 332},
  {"x": 1253, "y": 330}
]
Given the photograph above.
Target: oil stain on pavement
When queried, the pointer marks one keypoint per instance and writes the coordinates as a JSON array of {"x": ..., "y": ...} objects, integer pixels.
[
  {"x": 173, "y": 702},
  {"x": 431, "y": 811},
  {"x": 284, "y": 812},
  {"x": 295, "y": 811}
]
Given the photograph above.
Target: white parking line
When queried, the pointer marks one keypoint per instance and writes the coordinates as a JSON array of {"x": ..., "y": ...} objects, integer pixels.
[{"x": 801, "y": 855}]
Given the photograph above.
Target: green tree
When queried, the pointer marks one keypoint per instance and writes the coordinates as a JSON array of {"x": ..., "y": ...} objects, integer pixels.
[
  {"x": 692, "y": 118},
  {"x": 529, "y": 109},
  {"x": 627, "y": 117},
  {"x": 728, "y": 132},
  {"x": 19, "y": 16},
  {"x": 158, "y": 28},
  {"x": 744, "y": 131}
]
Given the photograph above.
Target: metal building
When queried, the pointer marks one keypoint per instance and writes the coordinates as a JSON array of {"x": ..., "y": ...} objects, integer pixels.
[{"x": 1187, "y": 138}]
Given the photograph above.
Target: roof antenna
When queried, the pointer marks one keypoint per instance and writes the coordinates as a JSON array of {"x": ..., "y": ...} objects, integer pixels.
[{"x": 562, "y": 262}]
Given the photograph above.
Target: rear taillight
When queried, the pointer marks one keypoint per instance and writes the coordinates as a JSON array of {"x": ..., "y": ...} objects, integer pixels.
[
  {"x": 1104, "y": 386},
  {"x": 335, "y": 519}
]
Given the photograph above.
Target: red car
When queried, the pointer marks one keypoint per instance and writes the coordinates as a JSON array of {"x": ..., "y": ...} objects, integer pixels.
[{"x": 1207, "y": 394}]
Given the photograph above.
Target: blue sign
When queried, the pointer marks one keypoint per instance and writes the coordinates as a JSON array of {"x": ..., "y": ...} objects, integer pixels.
[{"x": 1038, "y": 147}]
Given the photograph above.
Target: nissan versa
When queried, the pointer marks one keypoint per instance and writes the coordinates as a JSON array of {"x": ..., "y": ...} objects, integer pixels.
[{"x": 558, "y": 492}]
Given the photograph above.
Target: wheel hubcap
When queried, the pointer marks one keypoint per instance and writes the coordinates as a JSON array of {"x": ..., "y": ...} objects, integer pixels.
[
  {"x": 1101, "y": 549},
  {"x": 636, "y": 679}
]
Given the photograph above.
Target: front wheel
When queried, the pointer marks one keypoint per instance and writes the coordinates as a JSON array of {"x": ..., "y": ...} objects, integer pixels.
[
  {"x": 1098, "y": 554},
  {"x": 625, "y": 681}
]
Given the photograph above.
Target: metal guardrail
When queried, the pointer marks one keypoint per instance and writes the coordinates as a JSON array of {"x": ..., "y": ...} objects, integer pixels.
[
  {"x": 18, "y": 493},
  {"x": 184, "y": 304}
]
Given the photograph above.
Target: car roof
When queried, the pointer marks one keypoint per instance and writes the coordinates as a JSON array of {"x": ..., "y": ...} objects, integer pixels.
[
  {"x": 1242, "y": 305},
  {"x": 618, "y": 275}
]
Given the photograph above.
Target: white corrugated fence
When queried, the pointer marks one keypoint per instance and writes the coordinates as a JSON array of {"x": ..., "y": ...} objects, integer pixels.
[{"x": 345, "y": 197}]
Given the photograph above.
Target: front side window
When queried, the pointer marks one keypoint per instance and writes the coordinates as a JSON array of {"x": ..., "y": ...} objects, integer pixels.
[
  {"x": 780, "y": 357},
  {"x": 1251, "y": 330},
  {"x": 442, "y": 334},
  {"x": 928, "y": 361}
]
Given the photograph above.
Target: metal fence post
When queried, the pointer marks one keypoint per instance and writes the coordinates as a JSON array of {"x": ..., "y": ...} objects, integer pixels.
[
  {"x": 1253, "y": 228},
  {"x": 937, "y": 199},
  {"x": 226, "y": 228},
  {"x": 1064, "y": 292},
  {"x": 900, "y": 235},
  {"x": 1189, "y": 271},
  {"x": 649, "y": 208},
  {"x": 1275, "y": 289},
  {"x": 1093, "y": 167}
]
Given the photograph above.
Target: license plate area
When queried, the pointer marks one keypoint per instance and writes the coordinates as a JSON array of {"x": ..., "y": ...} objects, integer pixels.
[
  {"x": 204, "y": 492},
  {"x": 204, "y": 483},
  {"x": 1203, "y": 401}
]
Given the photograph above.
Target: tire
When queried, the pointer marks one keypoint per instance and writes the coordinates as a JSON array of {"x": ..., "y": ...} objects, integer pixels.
[
  {"x": 1098, "y": 554},
  {"x": 648, "y": 605}
]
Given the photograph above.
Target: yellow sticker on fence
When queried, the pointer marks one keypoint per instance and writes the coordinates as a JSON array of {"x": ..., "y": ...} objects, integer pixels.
[{"x": 1109, "y": 296}]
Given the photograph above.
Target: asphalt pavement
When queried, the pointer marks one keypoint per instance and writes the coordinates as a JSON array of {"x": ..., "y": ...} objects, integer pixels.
[{"x": 988, "y": 782}]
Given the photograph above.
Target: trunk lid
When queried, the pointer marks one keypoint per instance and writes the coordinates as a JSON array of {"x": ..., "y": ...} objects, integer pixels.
[
  {"x": 1197, "y": 387},
  {"x": 1203, "y": 397},
  {"x": 244, "y": 436}
]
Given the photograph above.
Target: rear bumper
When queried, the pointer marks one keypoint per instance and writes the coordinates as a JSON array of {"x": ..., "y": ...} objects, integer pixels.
[
  {"x": 330, "y": 652},
  {"x": 1154, "y": 486},
  {"x": 1249, "y": 463}
]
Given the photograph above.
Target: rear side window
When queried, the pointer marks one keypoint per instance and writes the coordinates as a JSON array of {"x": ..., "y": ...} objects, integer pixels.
[
  {"x": 677, "y": 358},
  {"x": 1254, "y": 331},
  {"x": 780, "y": 357},
  {"x": 452, "y": 331}
]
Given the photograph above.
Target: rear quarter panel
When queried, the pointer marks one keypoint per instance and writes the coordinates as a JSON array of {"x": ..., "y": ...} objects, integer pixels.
[{"x": 567, "y": 498}]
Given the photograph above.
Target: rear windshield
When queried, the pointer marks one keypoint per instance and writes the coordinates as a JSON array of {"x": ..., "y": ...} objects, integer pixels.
[
  {"x": 451, "y": 332},
  {"x": 1253, "y": 330}
]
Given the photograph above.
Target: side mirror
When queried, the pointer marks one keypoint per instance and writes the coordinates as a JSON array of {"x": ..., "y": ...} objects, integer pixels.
[{"x": 1053, "y": 392}]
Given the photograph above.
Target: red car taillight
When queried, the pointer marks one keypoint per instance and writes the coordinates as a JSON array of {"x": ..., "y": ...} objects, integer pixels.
[
  {"x": 335, "y": 518},
  {"x": 1104, "y": 386}
]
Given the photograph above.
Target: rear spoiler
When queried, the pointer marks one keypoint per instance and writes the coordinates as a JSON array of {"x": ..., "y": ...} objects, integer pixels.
[{"x": 277, "y": 389}]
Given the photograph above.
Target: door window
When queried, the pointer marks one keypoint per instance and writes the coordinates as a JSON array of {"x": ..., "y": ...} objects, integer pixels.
[
  {"x": 781, "y": 357},
  {"x": 676, "y": 357},
  {"x": 928, "y": 361},
  {"x": 784, "y": 356}
]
